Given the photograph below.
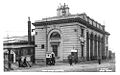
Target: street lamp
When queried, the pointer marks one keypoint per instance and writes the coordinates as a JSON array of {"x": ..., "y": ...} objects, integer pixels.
[{"x": 46, "y": 36}]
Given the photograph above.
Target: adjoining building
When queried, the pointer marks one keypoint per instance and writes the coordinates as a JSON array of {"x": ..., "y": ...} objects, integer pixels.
[
  {"x": 19, "y": 47},
  {"x": 66, "y": 32}
]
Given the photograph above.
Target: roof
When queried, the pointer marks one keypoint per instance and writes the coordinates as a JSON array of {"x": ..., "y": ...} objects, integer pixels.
[
  {"x": 80, "y": 18},
  {"x": 18, "y": 46},
  {"x": 16, "y": 39}
]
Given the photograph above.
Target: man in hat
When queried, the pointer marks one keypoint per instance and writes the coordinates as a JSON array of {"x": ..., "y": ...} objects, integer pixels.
[
  {"x": 53, "y": 58},
  {"x": 70, "y": 59}
]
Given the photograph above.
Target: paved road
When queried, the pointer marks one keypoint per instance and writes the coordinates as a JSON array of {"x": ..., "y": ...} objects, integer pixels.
[{"x": 91, "y": 67}]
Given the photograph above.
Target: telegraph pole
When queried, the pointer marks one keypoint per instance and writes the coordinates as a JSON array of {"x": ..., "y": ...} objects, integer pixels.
[
  {"x": 46, "y": 38},
  {"x": 9, "y": 57}
]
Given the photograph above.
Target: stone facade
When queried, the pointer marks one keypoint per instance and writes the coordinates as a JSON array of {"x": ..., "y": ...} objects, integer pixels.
[{"x": 65, "y": 32}]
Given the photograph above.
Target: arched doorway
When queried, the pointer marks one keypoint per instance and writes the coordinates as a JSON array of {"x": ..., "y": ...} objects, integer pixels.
[{"x": 55, "y": 42}]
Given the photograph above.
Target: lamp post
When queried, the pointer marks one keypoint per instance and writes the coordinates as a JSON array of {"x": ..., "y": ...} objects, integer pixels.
[
  {"x": 46, "y": 36},
  {"x": 46, "y": 39}
]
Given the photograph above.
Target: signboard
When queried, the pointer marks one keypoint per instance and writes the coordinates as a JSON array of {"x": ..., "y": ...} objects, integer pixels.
[
  {"x": 73, "y": 50},
  {"x": 48, "y": 55}
]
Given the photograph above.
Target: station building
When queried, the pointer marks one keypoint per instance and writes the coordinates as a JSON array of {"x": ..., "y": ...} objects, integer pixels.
[{"x": 66, "y": 32}]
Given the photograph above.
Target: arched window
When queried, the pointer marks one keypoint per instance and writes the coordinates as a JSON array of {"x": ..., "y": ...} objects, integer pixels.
[{"x": 55, "y": 35}]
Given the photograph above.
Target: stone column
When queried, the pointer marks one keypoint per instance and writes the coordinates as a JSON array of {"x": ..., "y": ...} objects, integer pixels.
[
  {"x": 89, "y": 49},
  {"x": 93, "y": 47},
  {"x": 103, "y": 40},
  {"x": 97, "y": 48},
  {"x": 100, "y": 50}
]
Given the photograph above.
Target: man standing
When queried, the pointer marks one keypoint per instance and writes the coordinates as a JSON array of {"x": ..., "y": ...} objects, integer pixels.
[
  {"x": 75, "y": 59},
  {"x": 53, "y": 58},
  {"x": 19, "y": 61},
  {"x": 24, "y": 62},
  {"x": 99, "y": 60},
  {"x": 70, "y": 59}
]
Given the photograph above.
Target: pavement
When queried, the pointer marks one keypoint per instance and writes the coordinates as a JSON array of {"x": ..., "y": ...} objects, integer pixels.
[{"x": 105, "y": 66}]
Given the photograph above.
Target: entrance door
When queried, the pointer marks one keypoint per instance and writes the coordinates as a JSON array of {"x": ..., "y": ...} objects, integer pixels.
[
  {"x": 55, "y": 49},
  {"x": 11, "y": 58}
]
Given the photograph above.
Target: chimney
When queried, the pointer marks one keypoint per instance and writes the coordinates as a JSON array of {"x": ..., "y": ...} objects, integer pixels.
[
  {"x": 29, "y": 31},
  {"x": 104, "y": 27}
]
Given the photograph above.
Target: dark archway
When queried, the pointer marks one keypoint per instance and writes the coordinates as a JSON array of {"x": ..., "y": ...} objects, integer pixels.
[
  {"x": 95, "y": 47},
  {"x": 88, "y": 37},
  {"x": 54, "y": 44},
  {"x": 98, "y": 46},
  {"x": 55, "y": 35}
]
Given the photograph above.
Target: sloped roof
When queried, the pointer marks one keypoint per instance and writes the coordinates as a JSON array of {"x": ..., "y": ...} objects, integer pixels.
[{"x": 15, "y": 39}]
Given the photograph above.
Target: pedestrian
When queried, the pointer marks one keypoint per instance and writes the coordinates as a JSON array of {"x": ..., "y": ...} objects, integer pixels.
[
  {"x": 19, "y": 62},
  {"x": 70, "y": 59},
  {"x": 99, "y": 61},
  {"x": 53, "y": 58},
  {"x": 24, "y": 62},
  {"x": 75, "y": 59}
]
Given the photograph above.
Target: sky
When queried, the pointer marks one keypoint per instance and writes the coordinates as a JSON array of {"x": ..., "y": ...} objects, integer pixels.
[{"x": 14, "y": 15}]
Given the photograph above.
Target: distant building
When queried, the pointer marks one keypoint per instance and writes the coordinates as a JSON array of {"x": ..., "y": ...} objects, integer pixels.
[
  {"x": 111, "y": 54},
  {"x": 66, "y": 32}
]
